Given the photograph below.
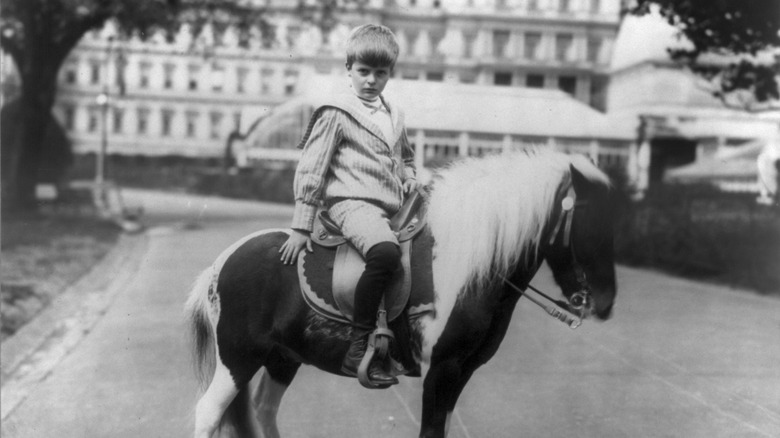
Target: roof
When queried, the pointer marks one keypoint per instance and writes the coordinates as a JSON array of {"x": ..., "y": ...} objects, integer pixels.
[{"x": 488, "y": 109}]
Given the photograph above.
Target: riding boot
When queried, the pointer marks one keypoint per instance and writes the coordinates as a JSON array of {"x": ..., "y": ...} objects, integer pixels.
[
  {"x": 357, "y": 349},
  {"x": 382, "y": 260}
]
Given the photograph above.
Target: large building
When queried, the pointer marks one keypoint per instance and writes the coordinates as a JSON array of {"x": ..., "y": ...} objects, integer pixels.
[{"x": 184, "y": 97}]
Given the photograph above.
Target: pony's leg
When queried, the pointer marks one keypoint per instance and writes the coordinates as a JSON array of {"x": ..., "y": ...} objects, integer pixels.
[
  {"x": 274, "y": 382},
  {"x": 438, "y": 398},
  {"x": 221, "y": 391},
  {"x": 450, "y": 377},
  {"x": 454, "y": 393}
]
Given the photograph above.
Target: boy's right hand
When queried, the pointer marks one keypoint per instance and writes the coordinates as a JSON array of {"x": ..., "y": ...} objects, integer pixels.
[{"x": 297, "y": 241}]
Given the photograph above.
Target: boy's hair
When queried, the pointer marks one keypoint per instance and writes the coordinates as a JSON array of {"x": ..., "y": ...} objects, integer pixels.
[{"x": 372, "y": 44}]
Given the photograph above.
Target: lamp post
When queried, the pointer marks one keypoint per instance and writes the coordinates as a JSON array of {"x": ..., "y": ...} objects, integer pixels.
[
  {"x": 103, "y": 100},
  {"x": 100, "y": 171}
]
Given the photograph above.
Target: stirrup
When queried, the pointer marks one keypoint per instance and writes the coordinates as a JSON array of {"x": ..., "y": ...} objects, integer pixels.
[{"x": 378, "y": 343}]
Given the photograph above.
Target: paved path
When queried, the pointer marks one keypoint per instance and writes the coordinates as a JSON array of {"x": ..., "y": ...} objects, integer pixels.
[{"x": 679, "y": 359}]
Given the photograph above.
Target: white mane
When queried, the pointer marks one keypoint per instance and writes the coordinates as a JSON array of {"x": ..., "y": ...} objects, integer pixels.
[{"x": 487, "y": 213}]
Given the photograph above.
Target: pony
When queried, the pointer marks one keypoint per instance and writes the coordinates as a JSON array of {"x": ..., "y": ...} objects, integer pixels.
[{"x": 493, "y": 221}]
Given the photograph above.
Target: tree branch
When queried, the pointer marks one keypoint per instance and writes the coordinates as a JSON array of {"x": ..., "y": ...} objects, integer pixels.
[{"x": 75, "y": 31}]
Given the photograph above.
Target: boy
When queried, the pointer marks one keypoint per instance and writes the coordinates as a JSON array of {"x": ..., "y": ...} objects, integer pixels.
[{"x": 358, "y": 162}]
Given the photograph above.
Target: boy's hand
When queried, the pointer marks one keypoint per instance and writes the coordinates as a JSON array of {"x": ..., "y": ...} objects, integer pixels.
[
  {"x": 411, "y": 185},
  {"x": 290, "y": 249}
]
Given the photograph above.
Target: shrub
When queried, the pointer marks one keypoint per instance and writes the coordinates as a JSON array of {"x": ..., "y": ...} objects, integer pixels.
[
  {"x": 270, "y": 184},
  {"x": 699, "y": 232}
]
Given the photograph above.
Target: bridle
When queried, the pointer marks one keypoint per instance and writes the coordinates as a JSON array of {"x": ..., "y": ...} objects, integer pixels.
[{"x": 579, "y": 300}]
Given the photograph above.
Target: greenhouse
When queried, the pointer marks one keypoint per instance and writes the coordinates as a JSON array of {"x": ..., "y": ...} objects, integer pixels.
[{"x": 445, "y": 121}]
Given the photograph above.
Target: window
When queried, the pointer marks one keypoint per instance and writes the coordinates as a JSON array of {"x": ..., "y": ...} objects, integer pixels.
[
  {"x": 468, "y": 77},
  {"x": 118, "y": 120},
  {"x": 469, "y": 38},
  {"x": 290, "y": 81},
  {"x": 595, "y": 6},
  {"x": 436, "y": 38},
  {"x": 563, "y": 46},
  {"x": 92, "y": 122},
  {"x": 70, "y": 117},
  {"x": 237, "y": 121},
  {"x": 594, "y": 49},
  {"x": 169, "y": 70},
  {"x": 94, "y": 72},
  {"x": 533, "y": 40},
  {"x": 568, "y": 84},
  {"x": 165, "y": 122},
  {"x": 121, "y": 66},
  {"x": 502, "y": 78},
  {"x": 533, "y": 5},
  {"x": 435, "y": 76},
  {"x": 564, "y": 6},
  {"x": 241, "y": 74},
  {"x": 410, "y": 75},
  {"x": 598, "y": 92},
  {"x": 192, "y": 123},
  {"x": 293, "y": 35},
  {"x": 265, "y": 80},
  {"x": 71, "y": 74},
  {"x": 411, "y": 38},
  {"x": 500, "y": 43},
  {"x": 144, "y": 78},
  {"x": 216, "y": 125},
  {"x": 534, "y": 81},
  {"x": 192, "y": 77},
  {"x": 217, "y": 78},
  {"x": 143, "y": 120}
]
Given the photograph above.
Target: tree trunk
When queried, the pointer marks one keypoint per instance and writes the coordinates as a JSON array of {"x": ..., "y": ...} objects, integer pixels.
[{"x": 37, "y": 98}]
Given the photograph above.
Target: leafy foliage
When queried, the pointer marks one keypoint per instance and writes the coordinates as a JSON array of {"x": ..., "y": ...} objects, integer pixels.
[
  {"x": 58, "y": 25},
  {"x": 742, "y": 31}
]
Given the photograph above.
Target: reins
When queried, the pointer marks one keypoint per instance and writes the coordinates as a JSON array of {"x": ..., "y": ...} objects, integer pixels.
[
  {"x": 556, "y": 312},
  {"x": 563, "y": 311}
]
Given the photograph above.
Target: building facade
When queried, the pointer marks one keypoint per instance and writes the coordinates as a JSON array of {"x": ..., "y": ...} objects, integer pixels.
[{"x": 184, "y": 97}]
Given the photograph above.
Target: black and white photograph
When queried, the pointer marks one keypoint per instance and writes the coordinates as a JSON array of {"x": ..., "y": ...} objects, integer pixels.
[{"x": 390, "y": 218}]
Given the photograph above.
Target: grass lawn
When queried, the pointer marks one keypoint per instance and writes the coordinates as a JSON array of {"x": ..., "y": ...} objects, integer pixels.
[{"x": 42, "y": 256}]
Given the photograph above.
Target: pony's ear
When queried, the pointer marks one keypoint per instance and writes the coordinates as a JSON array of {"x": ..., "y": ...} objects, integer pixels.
[{"x": 579, "y": 181}]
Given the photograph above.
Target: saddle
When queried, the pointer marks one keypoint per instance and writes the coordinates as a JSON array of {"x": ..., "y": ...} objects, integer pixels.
[{"x": 329, "y": 274}]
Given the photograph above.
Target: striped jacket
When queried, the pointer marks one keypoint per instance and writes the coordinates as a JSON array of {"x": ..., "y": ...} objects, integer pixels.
[{"x": 346, "y": 155}]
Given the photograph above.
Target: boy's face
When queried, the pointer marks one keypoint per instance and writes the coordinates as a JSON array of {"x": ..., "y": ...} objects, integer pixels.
[{"x": 368, "y": 81}]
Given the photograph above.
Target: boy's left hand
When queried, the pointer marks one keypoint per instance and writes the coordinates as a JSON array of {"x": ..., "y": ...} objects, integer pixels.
[{"x": 411, "y": 185}]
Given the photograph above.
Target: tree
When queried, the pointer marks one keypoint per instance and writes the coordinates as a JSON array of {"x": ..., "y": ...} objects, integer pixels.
[
  {"x": 734, "y": 43},
  {"x": 38, "y": 35}
]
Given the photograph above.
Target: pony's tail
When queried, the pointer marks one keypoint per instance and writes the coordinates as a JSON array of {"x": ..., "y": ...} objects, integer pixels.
[
  {"x": 236, "y": 420},
  {"x": 201, "y": 332}
]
